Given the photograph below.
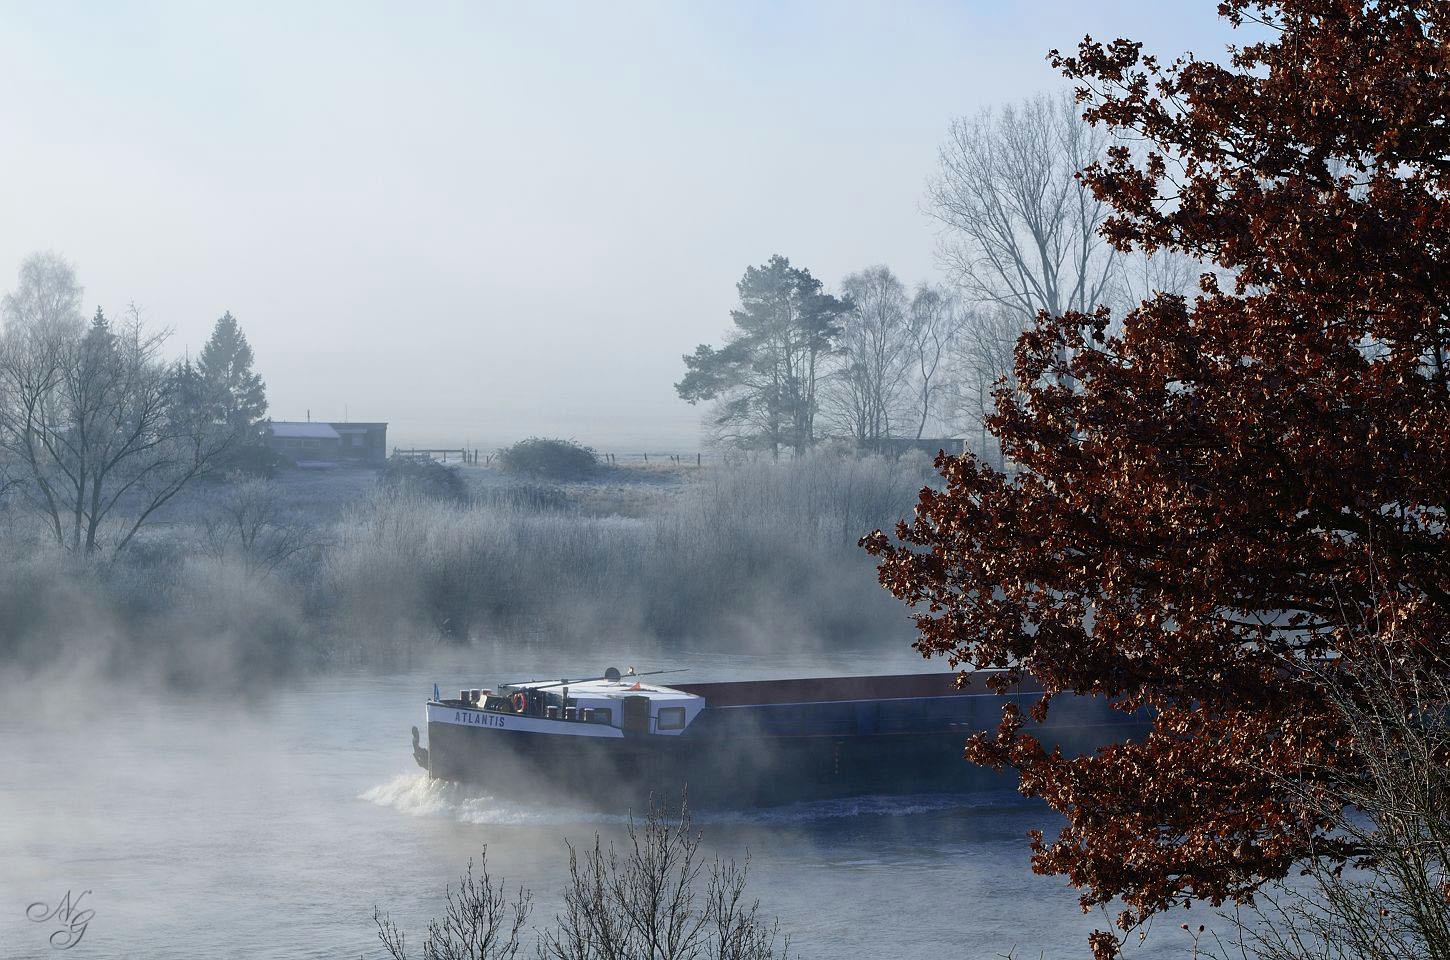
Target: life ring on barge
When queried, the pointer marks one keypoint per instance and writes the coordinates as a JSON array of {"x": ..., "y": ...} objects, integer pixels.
[{"x": 520, "y": 702}]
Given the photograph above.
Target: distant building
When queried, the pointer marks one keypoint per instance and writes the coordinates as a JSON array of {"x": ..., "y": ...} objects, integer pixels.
[
  {"x": 317, "y": 443},
  {"x": 362, "y": 441}
]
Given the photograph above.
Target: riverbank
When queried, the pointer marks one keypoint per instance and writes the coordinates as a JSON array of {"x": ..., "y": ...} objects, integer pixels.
[{"x": 237, "y": 582}]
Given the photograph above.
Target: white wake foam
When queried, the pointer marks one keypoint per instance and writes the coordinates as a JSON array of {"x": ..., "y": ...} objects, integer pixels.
[{"x": 420, "y": 796}]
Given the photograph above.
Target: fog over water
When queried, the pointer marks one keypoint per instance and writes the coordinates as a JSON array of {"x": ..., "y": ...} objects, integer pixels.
[{"x": 206, "y": 826}]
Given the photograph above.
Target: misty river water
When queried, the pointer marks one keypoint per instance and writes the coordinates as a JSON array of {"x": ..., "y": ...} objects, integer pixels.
[{"x": 270, "y": 826}]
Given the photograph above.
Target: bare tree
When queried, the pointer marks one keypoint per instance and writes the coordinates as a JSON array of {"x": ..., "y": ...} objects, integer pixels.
[
  {"x": 251, "y": 525},
  {"x": 1142, "y": 275},
  {"x": 874, "y": 353},
  {"x": 644, "y": 903},
  {"x": 480, "y": 921},
  {"x": 654, "y": 899},
  {"x": 981, "y": 356},
  {"x": 1021, "y": 230},
  {"x": 47, "y": 298},
  {"x": 1020, "y": 236},
  {"x": 94, "y": 423},
  {"x": 41, "y": 314},
  {"x": 934, "y": 324},
  {"x": 1393, "y": 903}
]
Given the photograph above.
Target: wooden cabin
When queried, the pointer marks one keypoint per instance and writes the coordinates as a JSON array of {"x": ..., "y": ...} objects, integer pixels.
[{"x": 316, "y": 443}]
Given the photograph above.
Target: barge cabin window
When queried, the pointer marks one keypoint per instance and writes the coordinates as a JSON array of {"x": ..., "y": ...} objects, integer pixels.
[{"x": 671, "y": 718}]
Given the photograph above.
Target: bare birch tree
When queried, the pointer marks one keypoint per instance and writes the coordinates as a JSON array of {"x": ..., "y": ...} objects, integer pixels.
[
  {"x": 1020, "y": 230},
  {"x": 980, "y": 358},
  {"x": 47, "y": 298},
  {"x": 871, "y": 383}
]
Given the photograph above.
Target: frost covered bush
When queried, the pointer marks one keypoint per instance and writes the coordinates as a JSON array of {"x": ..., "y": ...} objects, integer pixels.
[
  {"x": 548, "y": 459},
  {"x": 428, "y": 479},
  {"x": 524, "y": 496},
  {"x": 744, "y": 555},
  {"x": 744, "y": 545}
]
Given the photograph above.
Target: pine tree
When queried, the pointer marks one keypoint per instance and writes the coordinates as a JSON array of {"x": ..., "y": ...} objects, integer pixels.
[
  {"x": 237, "y": 394},
  {"x": 766, "y": 377}
]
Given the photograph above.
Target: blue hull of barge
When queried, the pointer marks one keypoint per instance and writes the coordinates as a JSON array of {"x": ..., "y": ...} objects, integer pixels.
[{"x": 812, "y": 739}]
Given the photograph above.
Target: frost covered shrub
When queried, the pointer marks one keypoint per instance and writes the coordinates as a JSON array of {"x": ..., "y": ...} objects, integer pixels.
[
  {"x": 227, "y": 626},
  {"x": 428, "y": 479},
  {"x": 548, "y": 459},
  {"x": 743, "y": 546},
  {"x": 776, "y": 542},
  {"x": 522, "y": 496},
  {"x": 157, "y": 613},
  {"x": 400, "y": 563},
  {"x": 740, "y": 556},
  {"x": 47, "y": 611}
]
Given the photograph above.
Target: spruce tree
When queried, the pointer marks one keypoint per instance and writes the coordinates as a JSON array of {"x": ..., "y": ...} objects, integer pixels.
[{"x": 238, "y": 395}]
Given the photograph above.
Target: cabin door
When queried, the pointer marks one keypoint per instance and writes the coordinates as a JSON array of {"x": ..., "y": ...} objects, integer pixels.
[{"x": 635, "y": 719}]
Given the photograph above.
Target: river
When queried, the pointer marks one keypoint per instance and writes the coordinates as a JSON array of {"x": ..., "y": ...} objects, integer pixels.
[{"x": 270, "y": 825}]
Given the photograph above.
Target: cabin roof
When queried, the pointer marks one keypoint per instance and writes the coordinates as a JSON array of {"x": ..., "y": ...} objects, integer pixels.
[
  {"x": 306, "y": 430},
  {"x": 617, "y": 690}
]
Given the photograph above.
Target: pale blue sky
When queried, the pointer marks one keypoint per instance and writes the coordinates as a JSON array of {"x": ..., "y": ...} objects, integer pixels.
[{"x": 480, "y": 221}]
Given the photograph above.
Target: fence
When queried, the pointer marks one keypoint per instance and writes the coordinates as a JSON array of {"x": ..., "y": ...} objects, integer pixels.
[
  {"x": 678, "y": 459},
  {"x": 475, "y": 457},
  {"x": 439, "y": 454},
  {"x": 893, "y": 448}
]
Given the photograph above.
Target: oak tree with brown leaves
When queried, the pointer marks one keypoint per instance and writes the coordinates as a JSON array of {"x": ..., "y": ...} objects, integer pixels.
[{"x": 1238, "y": 483}]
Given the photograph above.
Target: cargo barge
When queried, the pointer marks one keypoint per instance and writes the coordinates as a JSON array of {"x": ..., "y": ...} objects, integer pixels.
[{"x": 620, "y": 737}]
